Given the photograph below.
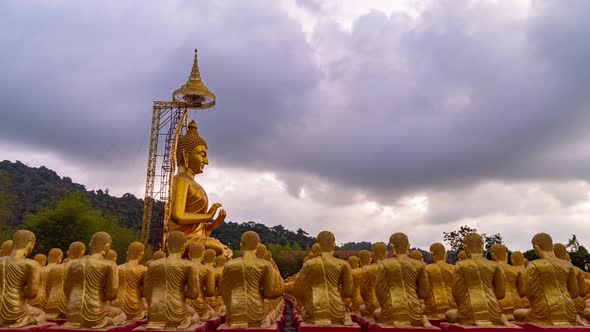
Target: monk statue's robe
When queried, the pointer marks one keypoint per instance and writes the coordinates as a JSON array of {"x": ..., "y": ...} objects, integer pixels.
[
  {"x": 206, "y": 282},
  {"x": 130, "y": 293},
  {"x": 245, "y": 283},
  {"x": 368, "y": 284},
  {"x": 401, "y": 283},
  {"x": 40, "y": 301},
  {"x": 440, "y": 299},
  {"x": 323, "y": 282},
  {"x": 57, "y": 302},
  {"x": 91, "y": 282},
  {"x": 515, "y": 289},
  {"x": 357, "y": 299},
  {"x": 169, "y": 283}
]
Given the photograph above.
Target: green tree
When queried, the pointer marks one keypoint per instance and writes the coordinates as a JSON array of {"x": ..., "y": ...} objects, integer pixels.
[
  {"x": 578, "y": 253},
  {"x": 455, "y": 238}
]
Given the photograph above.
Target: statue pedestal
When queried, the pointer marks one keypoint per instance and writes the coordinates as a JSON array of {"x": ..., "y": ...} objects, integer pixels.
[
  {"x": 303, "y": 327},
  {"x": 121, "y": 328},
  {"x": 375, "y": 327},
  {"x": 30, "y": 328},
  {"x": 225, "y": 328},
  {"x": 448, "y": 327},
  {"x": 530, "y": 327},
  {"x": 213, "y": 324},
  {"x": 199, "y": 327},
  {"x": 436, "y": 321},
  {"x": 58, "y": 321}
]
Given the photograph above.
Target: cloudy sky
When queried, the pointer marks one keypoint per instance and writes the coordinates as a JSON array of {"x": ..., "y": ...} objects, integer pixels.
[{"x": 360, "y": 117}]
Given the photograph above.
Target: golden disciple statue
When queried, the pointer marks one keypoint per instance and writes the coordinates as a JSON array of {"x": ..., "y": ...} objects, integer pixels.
[
  {"x": 209, "y": 282},
  {"x": 315, "y": 252},
  {"x": 551, "y": 287},
  {"x": 440, "y": 277},
  {"x": 170, "y": 282},
  {"x": 517, "y": 260},
  {"x": 478, "y": 283},
  {"x": 190, "y": 211},
  {"x": 41, "y": 259},
  {"x": 219, "y": 266},
  {"x": 356, "y": 300},
  {"x": 322, "y": 284},
  {"x": 55, "y": 257},
  {"x": 19, "y": 280},
  {"x": 206, "y": 283},
  {"x": 416, "y": 255},
  {"x": 369, "y": 280},
  {"x": 90, "y": 282},
  {"x": 515, "y": 281},
  {"x": 461, "y": 255},
  {"x": 111, "y": 255},
  {"x": 6, "y": 248},
  {"x": 401, "y": 283},
  {"x": 131, "y": 280},
  {"x": 57, "y": 302},
  {"x": 580, "y": 303},
  {"x": 245, "y": 283}
]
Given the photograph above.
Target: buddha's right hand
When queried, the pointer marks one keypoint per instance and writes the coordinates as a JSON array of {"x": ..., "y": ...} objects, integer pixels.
[{"x": 213, "y": 209}]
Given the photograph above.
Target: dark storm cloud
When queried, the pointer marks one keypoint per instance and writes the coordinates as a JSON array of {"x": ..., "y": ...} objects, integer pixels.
[{"x": 466, "y": 93}]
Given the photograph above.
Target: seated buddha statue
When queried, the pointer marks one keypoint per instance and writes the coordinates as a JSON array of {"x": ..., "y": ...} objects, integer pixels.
[
  {"x": 170, "y": 281},
  {"x": 440, "y": 277},
  {"x": 189, "y": 204},
  {"x": 369, "y": 280},
  {"x": 515, "y": 281},
  {"x": 90, "y": 282},
  {"x": 245, "y": 283},
  {"x": 551, "y": 287},
  {"x": 401, "y": 283},
  {"x": 55, "y": 257},
  {"x": 478, "y": 284},
  {"x": 517, "y": 260},
  {"x": 57, "y": 302},
  {"x": 322, "y": 284},
  {"x": 356, "y": 301},
  {"x": 131, "y": 280},
  {"x": 583, "y": 313},
  {"x": 19, "y": 281},
  {"x": 206, "y": 283},
  {"x": 6, "y": 248}
]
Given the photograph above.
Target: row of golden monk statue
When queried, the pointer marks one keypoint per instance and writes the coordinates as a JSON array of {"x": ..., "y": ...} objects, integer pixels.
[{"x": 191, "y": 284}]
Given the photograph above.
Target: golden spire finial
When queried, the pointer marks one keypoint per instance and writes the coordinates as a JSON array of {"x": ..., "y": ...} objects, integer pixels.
[{"x": 194, "y": 92}]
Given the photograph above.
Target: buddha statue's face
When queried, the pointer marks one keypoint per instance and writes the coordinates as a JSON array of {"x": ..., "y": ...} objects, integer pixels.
[{"x": 197, "y": 159}]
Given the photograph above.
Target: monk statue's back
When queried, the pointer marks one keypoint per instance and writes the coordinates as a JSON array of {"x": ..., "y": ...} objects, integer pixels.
[
  {"x": 515, "y": 283},
  {"x": 57, "y": 302},
  {"x": 131, "y": 282}
]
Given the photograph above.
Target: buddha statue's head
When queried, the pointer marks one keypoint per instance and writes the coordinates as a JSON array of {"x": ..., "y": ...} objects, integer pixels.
[
  {"x": 23, "y": 240},
  {"x": 499, "y": 252},
  {"x": 353, "y": 261},
  {"x": 461, "y": 255},
  {"x": 316, "y": 250},
  {"x": 560, "y": 251},
  {"x": 399, "y": 243},
  {"x": 517, "y": 258},
  {"x": 135, "y": 251},
  {"x": 100, "y": 243},
  {"x": 438, "y": 252},
  {"x": 327, "y": 241},
  {"x": 261, "y": 251},
  {"x": 473, "y": 245},
  {"x": 249, "y": 241},
  {"x": 209, "y": 256},
  {"x": 111, "y": 255},
  {"x": 176, "y": 243},
  {"x": 6, "y": 248},
  {"x": 76, "y": 250},
  {"x": 365, "y": 257},
  {"x": 220, "y": 261},
  {"x": 543, "y": 245},
  {"x": 55, "y": 256},
  {"x": 416, "y": 255},
  {"x": 158, "y": 254},
  {"x": 196, "y": 251},
  {"x": 41, "y": 259},
  {"x": 379, "y": 251},
  {"x": 191, "y": 151}
]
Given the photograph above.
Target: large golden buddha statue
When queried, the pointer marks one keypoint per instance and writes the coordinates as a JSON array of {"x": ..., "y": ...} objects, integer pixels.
[
  {"x": 515, "y": 281},
  {"x": 55, "y": 257},
  {"x": 57, "y": 302},
  {"x": 131, "y": 280},
  {"x": 356, "y": 300},
  {"x": 401, "y": 283},
  {"x": 322, "y": 284},
  {"x": 169, "y": 283},
  {"x": 19, "y": 280},
  {"x": 583, "y": 313},
  {"x": 551, "y": 287},
  {"x": 206, "y": 283},
  {"x": 440, "y": 277},
  {"x": 478, "y": 283},
  {"x": 90, "y": 282},
  {"x": 190, "y": 211}
]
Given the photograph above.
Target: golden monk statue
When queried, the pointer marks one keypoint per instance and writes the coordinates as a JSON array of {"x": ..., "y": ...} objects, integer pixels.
[
  {"x": 6, "y": 248},
  {"x": 322, "y": 284},
  {"x": 41, "y": 259},
  {"x": 190, "y": 211},
  {"x": 478, "y": 283},
  {"x": 90, "y": 282},
  {"x": 219, "y": 266},
  {"x": 517, "y": 260},
  {"x": 416, "y": 255},
  {"x": 440, "y": 277},
  {"x": 583, "y": 313},
  {"x": 19, "y": 280},
  {"x": 131, "y": 280},
  {"x": 170, "y": 281},
  {"x": 515, "y": 281},
  {"x": 369, "y": 279},
  {"x": 111, "y": 255},
  {"x": 55, "y": 257},
  {"x": 401, "y": 283},
  {"x": 315, "y": 252},
  {"x": 245, "y": 283},
  {"x": 57, "y": 302},
  {"x": 356, "y": 300},
  {"x": 461, "y": 255},
  {"x": 211, "y": 283},
  {"x": 206, "y": 279},
  {"x": 551, "y": 287}
]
